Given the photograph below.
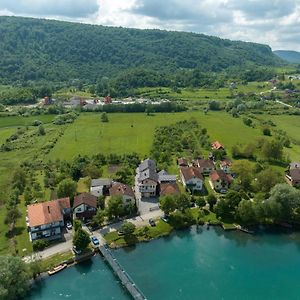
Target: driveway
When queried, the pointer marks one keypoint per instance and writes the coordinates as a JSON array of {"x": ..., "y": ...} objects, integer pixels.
[{"x": 58, "y": 248}]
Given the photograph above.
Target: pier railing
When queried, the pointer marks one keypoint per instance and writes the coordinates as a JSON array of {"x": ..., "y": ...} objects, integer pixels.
[{"x": 124, "y": 277}]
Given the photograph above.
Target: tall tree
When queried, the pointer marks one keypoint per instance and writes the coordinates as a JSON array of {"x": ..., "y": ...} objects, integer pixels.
[
  {"x": 14, "y": 278},
  {"x": 81, "y": 239},
  {"x": 66, "y": 188}
]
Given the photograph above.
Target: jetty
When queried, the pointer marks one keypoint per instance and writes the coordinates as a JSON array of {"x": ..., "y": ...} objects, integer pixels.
[{"x": 123, "y": 276}]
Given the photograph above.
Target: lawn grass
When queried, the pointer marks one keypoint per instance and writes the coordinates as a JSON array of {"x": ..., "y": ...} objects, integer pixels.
[
  {"x": 16, "y": 121},
  {"x": 291, "y": 125},
  {"x": 23, "y": 246},
  {"x": 54, "y": 260},
  {"x": 5, "y": 246},
  {"x": 82, "y": 186},
  {"x": 126, "y": 133},
  {"x": 161, "y": 229}
]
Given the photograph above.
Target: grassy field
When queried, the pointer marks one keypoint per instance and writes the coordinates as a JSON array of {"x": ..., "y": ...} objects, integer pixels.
[
  {"x": 16, "y": 121},
  {"x": 134, "y": 132}
]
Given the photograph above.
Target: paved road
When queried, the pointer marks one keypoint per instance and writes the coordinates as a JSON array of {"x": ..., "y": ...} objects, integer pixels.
[
  {"x": 67, "y": 245},
  {"x": 137, "y": 221},
  {"x": 59, "y": 248}
]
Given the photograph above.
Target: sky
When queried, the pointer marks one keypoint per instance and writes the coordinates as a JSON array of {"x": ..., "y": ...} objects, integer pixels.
[{"x": 272, "y": 22}]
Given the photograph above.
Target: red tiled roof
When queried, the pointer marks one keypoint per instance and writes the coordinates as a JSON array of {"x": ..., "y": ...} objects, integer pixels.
[
  {"x": 85, "y": 198},
  {"x": 169, "y": 188},
  {"x": 47, "y": 212},
  {"x": 120, "y": 189},
  {"x": 191, "y": 172},
  {"x": 217, "y": 145},
  {"x": 220, "y": 175}
]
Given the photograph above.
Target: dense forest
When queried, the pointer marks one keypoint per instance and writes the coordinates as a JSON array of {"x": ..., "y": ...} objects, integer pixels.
[{"x": 35, "y": 50}]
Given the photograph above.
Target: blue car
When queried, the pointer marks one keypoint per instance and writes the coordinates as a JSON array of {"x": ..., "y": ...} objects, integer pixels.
[{"x": 95, "y": 241}]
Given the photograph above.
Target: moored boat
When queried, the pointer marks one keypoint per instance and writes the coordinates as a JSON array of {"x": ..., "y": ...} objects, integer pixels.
[{"x": 57, "y": 269}]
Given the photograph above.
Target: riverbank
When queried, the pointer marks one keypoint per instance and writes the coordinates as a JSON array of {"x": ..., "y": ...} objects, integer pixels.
[{"x": 194, "y": 216}]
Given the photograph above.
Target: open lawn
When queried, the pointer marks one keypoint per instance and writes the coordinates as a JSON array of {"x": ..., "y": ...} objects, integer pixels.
[
  {"x": 24, "y": 121},
  {"x": 186, "y": 94},
  {"x": 290, "y": 124},
  {"x": 125, "y": 133}
]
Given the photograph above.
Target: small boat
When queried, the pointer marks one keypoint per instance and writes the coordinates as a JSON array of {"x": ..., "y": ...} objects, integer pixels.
[{"x": 57, "y": 269}]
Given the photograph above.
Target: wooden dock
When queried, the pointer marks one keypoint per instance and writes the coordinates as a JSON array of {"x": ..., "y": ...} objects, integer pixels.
[{"x": 125, "y": 279}]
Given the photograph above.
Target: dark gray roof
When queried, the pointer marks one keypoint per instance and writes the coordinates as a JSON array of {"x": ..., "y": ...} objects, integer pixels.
[
  {"x": 101, "y": 182},
  {"x": 148, "y": 174},
  {"x": 167, "y": 178},
  {"x": 163, "y": 172},
  {"x": 147, "y": 164}
]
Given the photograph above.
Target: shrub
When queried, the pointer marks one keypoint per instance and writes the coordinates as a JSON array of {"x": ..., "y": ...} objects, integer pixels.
[
  {"x": 37, "y": 123},
  {"x": 40, "y": 245}
]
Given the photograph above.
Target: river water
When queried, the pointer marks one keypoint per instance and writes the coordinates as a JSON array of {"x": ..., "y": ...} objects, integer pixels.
[{"x": 192, "y": 264}]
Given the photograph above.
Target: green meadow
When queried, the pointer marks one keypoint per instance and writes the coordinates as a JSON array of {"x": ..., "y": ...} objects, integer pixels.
[{"x": 126, "y": 133}]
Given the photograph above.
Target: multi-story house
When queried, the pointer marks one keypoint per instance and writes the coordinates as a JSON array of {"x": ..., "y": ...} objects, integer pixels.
[
  {"x": 191, "y": 178},
  {"x": 46, "y": 220},
  {"x": 220, "y": 181},
  {"x": 147, "y": 179},
  {"x": 85, "y": 206}
]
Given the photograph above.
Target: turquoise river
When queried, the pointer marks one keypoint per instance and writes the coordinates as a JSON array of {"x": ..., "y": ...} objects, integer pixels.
[{"x": 191, "y": 264}]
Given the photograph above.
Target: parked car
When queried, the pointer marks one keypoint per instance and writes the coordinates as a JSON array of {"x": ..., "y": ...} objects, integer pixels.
[
  {"x": 152, "y": 222},
  {"x": 76, "y": 251},
  {"x": 95, "y": 241},
  {"x": 69, "y": 225},
  {"x": 165, "y": 219}
]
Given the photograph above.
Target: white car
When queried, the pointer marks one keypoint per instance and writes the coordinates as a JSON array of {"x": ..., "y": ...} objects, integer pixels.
[{"x": 69, "y": 225}]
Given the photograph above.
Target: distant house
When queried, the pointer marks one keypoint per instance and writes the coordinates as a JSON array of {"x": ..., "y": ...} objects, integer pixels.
[
  {"x": 182, "y": 162},
  {"x": 191, "y": 178},
  {"x": 225, "y": 165},
  {"x": 206, "y": 166},
  {"x": 169, "y": 188},
  {"x": 217, "y": 146},
  {"x": 147, "y": 178},
  {"x": 46, "y": 220},
  {"x": 100, "y": 187},
  {"x": 220, "y": 181},
  {"x": 85, "y": 206},
  {"x": 123, "y": 190}
]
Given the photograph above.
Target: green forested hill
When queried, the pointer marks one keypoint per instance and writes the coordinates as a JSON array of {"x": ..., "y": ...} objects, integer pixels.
[
  {"x": 34, "y": 49},
  {"x": 290, "y": 56}
]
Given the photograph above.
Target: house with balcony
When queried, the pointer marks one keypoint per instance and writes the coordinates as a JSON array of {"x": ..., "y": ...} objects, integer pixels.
[
  {"x": 46, "y": 220},
  {"x": 192, "y": 178},
  {"x": 146, "y": 180},
  {"x": 220, "y": 181},
  {"x": 85, "y": 206}
]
